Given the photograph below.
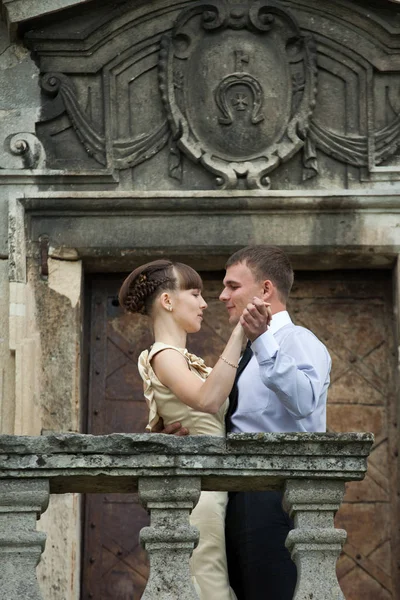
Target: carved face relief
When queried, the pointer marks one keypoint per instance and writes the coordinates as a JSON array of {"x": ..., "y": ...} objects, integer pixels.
[{"x": 238, "y": 82}]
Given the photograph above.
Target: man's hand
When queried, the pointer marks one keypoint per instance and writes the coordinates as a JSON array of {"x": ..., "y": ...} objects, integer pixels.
[
  {"x": 256, "y": 318},
  {"x": 172, "y": 428}
]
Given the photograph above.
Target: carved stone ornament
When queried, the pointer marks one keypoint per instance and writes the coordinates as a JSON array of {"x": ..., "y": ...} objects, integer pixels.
[
  {"x": 238, "y": 82},
  {"x": 123, "y": 153},
  {"x": 230, "y": 84}
]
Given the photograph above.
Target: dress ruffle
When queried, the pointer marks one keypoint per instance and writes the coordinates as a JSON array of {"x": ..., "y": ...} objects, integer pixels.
[{"x": 145, "y": 369}]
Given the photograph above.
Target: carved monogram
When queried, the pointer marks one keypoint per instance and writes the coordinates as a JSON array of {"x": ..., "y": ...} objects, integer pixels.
[
  {"x": 246, "y": 91},
  {"x": 253, "y": 97}
]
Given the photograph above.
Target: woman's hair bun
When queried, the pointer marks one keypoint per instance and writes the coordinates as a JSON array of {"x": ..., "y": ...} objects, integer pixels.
[
  {"x": 137, "y": 291},
  {"x": 142, "y": 290}
]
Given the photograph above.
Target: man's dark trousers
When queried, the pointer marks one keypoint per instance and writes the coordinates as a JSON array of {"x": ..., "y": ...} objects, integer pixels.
[
  {"x": 259, "y": 564},
  {"x": 256, "y": 528}
]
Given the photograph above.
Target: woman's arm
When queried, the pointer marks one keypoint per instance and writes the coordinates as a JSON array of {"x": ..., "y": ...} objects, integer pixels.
[{"x": 207, "y": 396}]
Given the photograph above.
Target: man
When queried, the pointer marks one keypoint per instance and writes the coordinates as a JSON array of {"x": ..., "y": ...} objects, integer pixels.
[{"x": 281, "y": 386}]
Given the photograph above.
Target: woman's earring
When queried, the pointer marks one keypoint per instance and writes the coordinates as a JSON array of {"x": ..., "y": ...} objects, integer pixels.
[{"x": 170, "y": 308}]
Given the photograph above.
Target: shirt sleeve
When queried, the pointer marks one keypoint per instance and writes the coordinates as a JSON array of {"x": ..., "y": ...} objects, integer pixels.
[{"x": 296, "y": 371}]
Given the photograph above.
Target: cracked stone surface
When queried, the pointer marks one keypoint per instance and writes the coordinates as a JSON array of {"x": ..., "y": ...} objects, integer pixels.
[{"x": 76, "y": 462}]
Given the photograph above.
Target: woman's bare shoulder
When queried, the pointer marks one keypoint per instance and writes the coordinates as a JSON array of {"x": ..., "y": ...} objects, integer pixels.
[{"x": 164, "y": 356}]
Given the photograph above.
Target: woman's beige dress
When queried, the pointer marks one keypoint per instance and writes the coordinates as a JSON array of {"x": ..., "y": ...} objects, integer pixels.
[{"x": 208, "y": 563}]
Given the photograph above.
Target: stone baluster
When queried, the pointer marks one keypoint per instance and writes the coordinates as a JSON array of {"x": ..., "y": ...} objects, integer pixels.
[
  {"x": 315, "y": 543},
  {"x": 21, "y": 545},
  {"x": 170, "y": 539}
]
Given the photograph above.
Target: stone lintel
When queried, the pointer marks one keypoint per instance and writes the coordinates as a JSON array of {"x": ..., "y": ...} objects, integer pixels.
[
  {"x": 84, "y": 463},
  {"x": 213, "y": 200},
  {"x": 332, "y": 229}
]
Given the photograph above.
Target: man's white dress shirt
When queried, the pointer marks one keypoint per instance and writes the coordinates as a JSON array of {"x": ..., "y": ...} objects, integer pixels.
[{"x": 284, "y": 386}]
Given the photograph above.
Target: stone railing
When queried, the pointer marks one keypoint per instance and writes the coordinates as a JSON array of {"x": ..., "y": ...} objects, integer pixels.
[{"x": 169, "y": 473}]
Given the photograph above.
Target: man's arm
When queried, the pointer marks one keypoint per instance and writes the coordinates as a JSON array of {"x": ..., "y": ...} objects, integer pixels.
[{"x": 296, "y": 372}]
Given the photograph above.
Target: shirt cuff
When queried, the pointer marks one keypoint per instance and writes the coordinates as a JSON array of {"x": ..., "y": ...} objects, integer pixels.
[{"x": 265, "y": 347}]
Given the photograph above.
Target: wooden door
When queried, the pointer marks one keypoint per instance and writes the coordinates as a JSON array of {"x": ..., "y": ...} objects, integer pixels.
[
  {"x": 114, "y": 565},
  {"x": 352, "y": 314}
]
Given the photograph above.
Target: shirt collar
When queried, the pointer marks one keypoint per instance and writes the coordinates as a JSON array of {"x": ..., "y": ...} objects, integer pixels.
[{"x": 279, "y": 320}]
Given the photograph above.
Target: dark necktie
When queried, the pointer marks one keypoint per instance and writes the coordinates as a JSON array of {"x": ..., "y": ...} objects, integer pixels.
[{"x": 233, "y": 396}]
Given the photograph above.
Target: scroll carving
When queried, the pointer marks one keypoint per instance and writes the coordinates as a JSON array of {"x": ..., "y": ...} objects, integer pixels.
[
  {"x": 22, "y": 151},
  {"x": 125, "y": 152}
]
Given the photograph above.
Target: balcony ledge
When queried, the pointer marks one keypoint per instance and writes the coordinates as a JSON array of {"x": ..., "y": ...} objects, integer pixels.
[
  {"x": 169, "y": 473},
  {"x": 86, "y": 463}
]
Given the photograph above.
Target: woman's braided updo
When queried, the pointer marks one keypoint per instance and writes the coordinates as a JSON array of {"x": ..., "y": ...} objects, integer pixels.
[{"x": 144, "y": 284}]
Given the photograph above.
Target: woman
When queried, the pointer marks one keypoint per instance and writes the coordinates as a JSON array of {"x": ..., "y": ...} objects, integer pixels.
[{"x": 178, "y": 386}]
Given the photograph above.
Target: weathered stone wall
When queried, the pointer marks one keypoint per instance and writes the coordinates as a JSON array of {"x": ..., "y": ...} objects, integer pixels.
[
  {"x": 39, "y": 373},
  {"x": 19, "y": 110},
  {"x": 59, "y": 320}
]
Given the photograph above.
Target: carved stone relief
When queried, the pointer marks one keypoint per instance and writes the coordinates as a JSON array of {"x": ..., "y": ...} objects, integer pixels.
[
  {"x": 242, "y": 115},
  {"x": 124, "y": 152},
  {"x": 227, "y": 87}
]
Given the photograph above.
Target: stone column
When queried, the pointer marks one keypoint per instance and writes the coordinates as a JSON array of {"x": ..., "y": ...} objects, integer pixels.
[
  {"x": 21, "y": 503},
  {"x": 170, "y": 539},
  {"x": 314, "y": 542}
]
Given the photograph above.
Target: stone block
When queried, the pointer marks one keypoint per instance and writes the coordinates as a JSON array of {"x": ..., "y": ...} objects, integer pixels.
[
  {"x": 170, "y": 539},
  {"x": 21, "y": 545},
  {"x": 20, "y": 104},
  {"x": 7, "y": 358}
]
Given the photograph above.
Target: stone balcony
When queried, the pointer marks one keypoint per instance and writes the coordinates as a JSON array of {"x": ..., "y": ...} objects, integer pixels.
[{"x": 169, "y": 473}]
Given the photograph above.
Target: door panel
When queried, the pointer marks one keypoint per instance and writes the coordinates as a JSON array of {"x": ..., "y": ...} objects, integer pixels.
[
  {"x": 355, "y": 324},
  {"x": 114, "y": 564},
  {"x": 352, "y": 314}
]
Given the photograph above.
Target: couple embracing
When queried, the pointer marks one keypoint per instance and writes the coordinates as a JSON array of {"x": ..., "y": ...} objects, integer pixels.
[{"x": 279, "y": 384}]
